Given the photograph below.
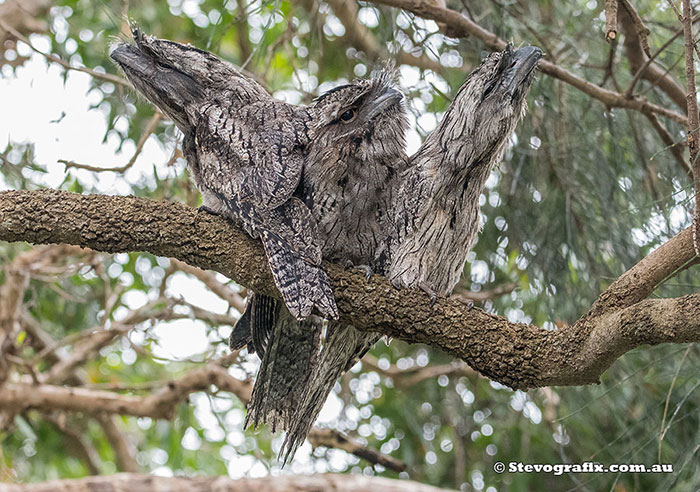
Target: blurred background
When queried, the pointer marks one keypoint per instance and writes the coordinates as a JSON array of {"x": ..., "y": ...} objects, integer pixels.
[{"x": 583, "y": 193}]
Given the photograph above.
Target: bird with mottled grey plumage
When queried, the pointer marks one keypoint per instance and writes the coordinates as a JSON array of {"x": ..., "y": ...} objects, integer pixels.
[
  {"x": 435, "y": 214},
  {"x": 425, "y": 218},
  {"x": 356, "y": 150},
  {"x": 330, "y": 180},
  {"x": 245, "y": 151}
]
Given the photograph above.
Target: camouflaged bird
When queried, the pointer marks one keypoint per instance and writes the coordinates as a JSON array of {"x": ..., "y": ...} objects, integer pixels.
[
  {"x": 356, "y": 150},
  {"x": 425, "y": 217},
  {"x": 435, "y": 214},
  {"x": 245, "y": 151},
  {"x": 433, "y": 218}
]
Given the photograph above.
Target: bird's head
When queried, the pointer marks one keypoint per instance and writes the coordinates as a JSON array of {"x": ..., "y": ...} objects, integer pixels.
[
  {"x": 366, "y": 118},
  {"x": 179, "y": 78},
  {"x": 504, "y": 77},
  {"x": 492, "y": 101}
]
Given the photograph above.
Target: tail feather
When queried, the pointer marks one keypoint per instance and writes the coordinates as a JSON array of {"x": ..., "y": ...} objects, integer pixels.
[
  {"x": 289, "y": 360},
  {"x": 344, "y": 346},
  {"x": 242, "y": 334},
  {"x": 255, "y": 325}
]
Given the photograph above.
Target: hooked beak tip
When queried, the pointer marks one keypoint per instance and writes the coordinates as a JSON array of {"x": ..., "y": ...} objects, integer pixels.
[{"x": 523, "y": 63}]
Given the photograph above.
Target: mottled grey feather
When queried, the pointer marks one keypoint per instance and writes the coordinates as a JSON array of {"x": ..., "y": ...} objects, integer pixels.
[
  {"x": 346, "y": 183},
  {"x": 435, "y": 214}
]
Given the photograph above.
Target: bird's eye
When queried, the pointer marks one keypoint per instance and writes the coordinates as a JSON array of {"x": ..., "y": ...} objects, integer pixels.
[{"x": 347, "y": 116}]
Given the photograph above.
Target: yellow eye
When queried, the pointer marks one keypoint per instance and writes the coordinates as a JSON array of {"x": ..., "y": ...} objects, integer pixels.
[{"x": 347, "y": 116}]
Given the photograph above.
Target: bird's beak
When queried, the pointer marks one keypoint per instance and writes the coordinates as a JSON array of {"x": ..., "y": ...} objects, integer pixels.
[
  {"x": 387, "y": 98},
  {"x": 153, "y": 75},
  {"x": 133, "y": 61},
  {"x": 521, "y": 64}
]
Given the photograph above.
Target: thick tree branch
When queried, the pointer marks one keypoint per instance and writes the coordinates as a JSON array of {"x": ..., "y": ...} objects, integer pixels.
[
  {"x": 515, "y": 354},
  {"x": 131, "y": 482},
  {"x": 639, "y": 281}
]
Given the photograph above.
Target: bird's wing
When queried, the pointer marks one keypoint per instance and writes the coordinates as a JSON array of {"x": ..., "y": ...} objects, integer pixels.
[
  {"x": 253, "y": 153},
  {"x": 231, "y": 157},
  {"x": 303, "y": 285},
  {"x": 273, "y": 175}
]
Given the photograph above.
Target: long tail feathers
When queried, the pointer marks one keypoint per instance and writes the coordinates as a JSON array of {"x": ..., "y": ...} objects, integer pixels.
[
  {"x": 287, "y": 362},
  {"x": 343, "y": 347},
  {"x": 294, "y": 379}
]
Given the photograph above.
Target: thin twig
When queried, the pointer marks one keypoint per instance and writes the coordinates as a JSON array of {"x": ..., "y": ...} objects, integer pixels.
[
  {"x": 650, "y": 60},
  {"x": 693, "y": 118},
  {"x": 209, "y": 279},
  {"x": 663, "y": 430},
  {"x": 150, "y": 128},
  {"x": 668, "y": 140},
  {"x": 333, "y": 439}
]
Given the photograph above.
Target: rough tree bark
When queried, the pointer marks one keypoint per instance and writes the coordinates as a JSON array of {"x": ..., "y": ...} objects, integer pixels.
[{"x": 518, "y": 355}]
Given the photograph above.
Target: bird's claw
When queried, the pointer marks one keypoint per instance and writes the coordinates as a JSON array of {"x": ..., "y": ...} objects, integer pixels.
[
  {"x": 366, "y": 269},
  {"x": 204, "y": 208},
  {"x": 467, "y": 302},
  {"x": 428, "y": 289}
]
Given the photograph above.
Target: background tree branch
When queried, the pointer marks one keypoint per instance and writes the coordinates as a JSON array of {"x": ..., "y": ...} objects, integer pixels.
[
  {"x": 462, "y": 26},
  {"x": 129, "y": 482}
]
